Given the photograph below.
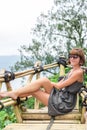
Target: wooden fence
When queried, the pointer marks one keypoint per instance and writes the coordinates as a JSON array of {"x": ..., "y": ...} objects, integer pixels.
[{"x": 40, "y": 114}]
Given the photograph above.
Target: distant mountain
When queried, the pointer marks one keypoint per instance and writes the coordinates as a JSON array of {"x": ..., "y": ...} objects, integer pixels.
[{"x": 7, "y": 61}]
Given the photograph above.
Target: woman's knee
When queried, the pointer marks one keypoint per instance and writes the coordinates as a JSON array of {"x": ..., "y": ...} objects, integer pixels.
[{"x": 45, "y": 80}]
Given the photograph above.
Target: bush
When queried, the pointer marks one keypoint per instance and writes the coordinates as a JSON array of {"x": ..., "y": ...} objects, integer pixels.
[{"x": 6, "y": 117}]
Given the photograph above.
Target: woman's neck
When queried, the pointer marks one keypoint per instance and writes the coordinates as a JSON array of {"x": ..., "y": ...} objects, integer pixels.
[{"x": 75, "y": 67}]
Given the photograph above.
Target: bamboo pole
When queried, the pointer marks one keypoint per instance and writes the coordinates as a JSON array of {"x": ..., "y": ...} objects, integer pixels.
[
  {"x": 37, "y": 102},
  {"x": 84, "y": 113},
  {"x": 32, "y": 71},
  {"x": 23, "y": 108},
  {"x": 29, "y": 78},
  {"x": 28, "y": 72},
  {"x": 1, "y": 71},
  {"x": 8, "y": 86},
  {"x": 15, "y": 106},
  {"x": 10, "y": 101},
  {"x": 62, "y": 70},
  {"x": 0, "y": 85},
  {"x": 14, "y": 103}
]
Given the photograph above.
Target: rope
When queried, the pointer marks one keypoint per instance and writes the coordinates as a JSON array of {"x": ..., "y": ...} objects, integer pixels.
[
  {"x": 19, "y": 101},
  {"x": 8, "y": 76},
  {"x": 50, "y": 123}
]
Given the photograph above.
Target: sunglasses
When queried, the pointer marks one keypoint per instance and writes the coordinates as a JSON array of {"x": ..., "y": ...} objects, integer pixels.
[{"x": 73, "y": 56}]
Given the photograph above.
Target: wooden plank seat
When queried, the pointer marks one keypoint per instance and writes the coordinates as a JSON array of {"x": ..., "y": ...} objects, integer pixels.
[
  {"x": 42, "y": 114},
  {"x": 18, "y": 126}
]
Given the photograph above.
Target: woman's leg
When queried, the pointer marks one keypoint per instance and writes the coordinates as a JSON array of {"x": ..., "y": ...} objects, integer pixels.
[
  {"x": 30, "y": 88},
  {"x": 41, "y": 96}
]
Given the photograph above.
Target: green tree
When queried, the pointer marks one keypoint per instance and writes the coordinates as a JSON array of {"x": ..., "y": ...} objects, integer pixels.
[{"x": 62, "y": 28}]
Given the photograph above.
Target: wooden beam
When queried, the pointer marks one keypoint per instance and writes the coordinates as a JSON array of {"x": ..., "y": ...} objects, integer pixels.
[
  {"x": 43, "y": 115},
  {"x": 44, "y": 126}
]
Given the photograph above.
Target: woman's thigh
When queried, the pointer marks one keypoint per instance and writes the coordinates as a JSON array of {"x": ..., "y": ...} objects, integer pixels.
[
  {"x": 42, "y": 96},
  {"x": 45, "y": 83}
]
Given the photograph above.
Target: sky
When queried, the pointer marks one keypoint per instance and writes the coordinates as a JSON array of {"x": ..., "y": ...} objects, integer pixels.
[{"x": 17, "y": 17}]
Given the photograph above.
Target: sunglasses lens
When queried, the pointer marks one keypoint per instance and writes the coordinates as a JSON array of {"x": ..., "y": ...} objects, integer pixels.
[{"x": 73, "y": 56}]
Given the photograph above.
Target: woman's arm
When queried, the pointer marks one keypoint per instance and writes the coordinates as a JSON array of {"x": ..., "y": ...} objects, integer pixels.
[{"x": 76, "y": 76}]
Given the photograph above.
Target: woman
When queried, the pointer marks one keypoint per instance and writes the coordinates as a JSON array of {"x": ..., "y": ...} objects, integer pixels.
[{"x": 76, "y": 59}]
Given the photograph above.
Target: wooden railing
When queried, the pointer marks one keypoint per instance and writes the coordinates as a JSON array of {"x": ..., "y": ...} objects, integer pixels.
[
  {"x": 35, "y": 71},
  {"x": 6, "y": 77}
]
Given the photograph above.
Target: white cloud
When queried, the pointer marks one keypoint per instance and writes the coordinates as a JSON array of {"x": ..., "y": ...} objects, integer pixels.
[{"x": 16, "y": 19}]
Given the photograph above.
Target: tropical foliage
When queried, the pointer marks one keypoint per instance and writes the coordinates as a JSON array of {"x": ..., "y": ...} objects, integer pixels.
[
  {"x": 55, "y": 33},
  {"x": 7, "y": 116}
]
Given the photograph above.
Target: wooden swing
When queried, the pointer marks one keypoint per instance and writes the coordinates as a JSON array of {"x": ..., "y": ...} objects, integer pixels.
[{"x": 31, "y": 119}]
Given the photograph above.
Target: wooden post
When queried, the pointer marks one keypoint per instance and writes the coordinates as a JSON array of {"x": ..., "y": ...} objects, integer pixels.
[
  {"x": 83, "y": 115},
  {"x": 77, "y": 103},
  {"x": 37, "y": 102},
  {"x": 0, "y": 85},
  {"x": 16, "y": 107},
  {"x": 8, "y": 86},
  {"x": 17, "y": 113},
  {"x": 22, "y": 107},
  {"x": 30, "y": 78},
  {"x": 62, "y": 70},
  {"x": 1, "y": 72}
]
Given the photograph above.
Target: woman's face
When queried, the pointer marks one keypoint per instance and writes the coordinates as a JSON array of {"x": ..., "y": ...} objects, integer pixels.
[{"x": 74, "y": 60}]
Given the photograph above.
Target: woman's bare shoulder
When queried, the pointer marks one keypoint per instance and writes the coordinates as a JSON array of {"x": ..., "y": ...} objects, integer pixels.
[
  {"x": 79, "y": 71},
  {"x": 76, "y": 74},
  {"x": 79, "y": 75}
]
